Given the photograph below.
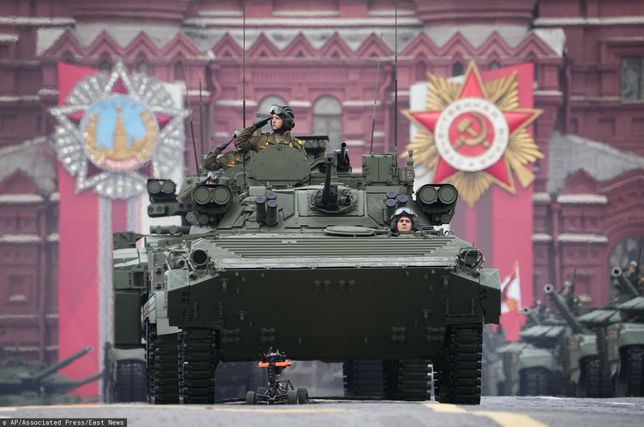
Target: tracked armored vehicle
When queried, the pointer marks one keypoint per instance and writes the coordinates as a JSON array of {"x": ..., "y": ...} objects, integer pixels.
[{"x": 295, "y": 254}]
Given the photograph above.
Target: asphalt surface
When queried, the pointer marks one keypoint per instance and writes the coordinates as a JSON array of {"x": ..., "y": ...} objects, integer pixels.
[{"x": 493, "y": 411}]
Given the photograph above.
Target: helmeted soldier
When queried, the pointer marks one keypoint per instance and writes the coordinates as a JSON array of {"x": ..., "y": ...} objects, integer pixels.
[
  {"x": 403, "y": 221},
  {"x": 282, "y": 121}
]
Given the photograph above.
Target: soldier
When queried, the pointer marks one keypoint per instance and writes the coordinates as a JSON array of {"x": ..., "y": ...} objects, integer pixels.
[
  {"x": 282, "y": 121},
  {"x": 403, "y": 221},
  {"x": 214, "y": 161}
]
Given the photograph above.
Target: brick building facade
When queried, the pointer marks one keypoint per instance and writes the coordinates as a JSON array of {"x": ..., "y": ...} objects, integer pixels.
[{"x": 323, "y": 58}]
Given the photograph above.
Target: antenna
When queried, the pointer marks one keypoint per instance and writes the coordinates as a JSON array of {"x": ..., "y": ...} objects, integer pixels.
[
  {"x": 244, "y": 65},
  {"x": 396, "y": 76},
  {"x": 375, "y": 98},
  {"x": 201, "y": 130},
  {"x": 192, "y": 127},
  {"x": 244, "y": 83}
]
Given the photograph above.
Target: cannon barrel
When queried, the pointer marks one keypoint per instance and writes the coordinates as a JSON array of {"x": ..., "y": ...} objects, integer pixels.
[
  {"x": 530, "y": 314},
  {"x": 627, "y": 287},
  {"x": 563, "y": 309},
  {"x": 61, "y": 364},
  {"x": 67, "y": 386}
]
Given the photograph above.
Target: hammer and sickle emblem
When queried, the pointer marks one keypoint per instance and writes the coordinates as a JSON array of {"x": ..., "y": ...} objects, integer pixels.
[{"x": 469, "y": 136}]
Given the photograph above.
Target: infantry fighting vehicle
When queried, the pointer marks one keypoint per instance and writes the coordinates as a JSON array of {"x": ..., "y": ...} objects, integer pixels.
[
  {"x": 31, "y": 383},
  {"x": 619, "y": 329},
  {"x": 577, "y": 353},
  {"x": 294, "y": 253}
]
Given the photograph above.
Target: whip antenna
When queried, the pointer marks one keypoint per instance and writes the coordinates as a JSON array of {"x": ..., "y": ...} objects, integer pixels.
[
  {"x": 244, "y": 66},
  {"x": 192, "y": 127},
  {"x": 396, "y": 75},
  {"x": 375, "y": 98},
  {"x": 201, "y": 130}
]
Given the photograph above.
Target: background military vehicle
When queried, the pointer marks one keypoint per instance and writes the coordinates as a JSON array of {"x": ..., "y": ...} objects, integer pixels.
[
  {"x": 293, "y": 253},
  {"x": 577, "y": 353},
  {"x": 31, "y": 383},
  {"x": 619, "y": 328}
]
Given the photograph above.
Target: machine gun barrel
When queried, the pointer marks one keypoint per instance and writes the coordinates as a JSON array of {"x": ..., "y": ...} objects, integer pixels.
[
  {"x": 531, "y": 315},
  {"x": 329, "y": 198},
  {"x": 60, "y": 365},
  {"x": 627, "y": 287},
  {"x": 570, "y": 318}
]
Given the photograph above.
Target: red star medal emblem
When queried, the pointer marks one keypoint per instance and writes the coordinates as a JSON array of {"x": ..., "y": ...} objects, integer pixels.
[{"x": 471, "y": 133}]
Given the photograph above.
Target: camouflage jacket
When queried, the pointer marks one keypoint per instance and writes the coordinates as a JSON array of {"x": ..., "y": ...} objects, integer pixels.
[
  {"x": 214, "y": 161},
  {"x": 246, "y": 141}
]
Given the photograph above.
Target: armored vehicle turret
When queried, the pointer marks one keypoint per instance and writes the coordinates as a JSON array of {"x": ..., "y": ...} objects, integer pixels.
[
  {"x": 619, "y": 328},
  {"x": 30, "y": 383},
  {"x": 578, "y": 353},
  {"x": 297, "y": 254}
]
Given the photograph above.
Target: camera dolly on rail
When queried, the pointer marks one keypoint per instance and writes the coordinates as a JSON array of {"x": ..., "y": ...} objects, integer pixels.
[{"x": 277, "y": 391}]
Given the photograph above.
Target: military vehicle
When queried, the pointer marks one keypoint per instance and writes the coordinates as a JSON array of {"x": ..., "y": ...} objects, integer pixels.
[
  {"x": 619, "y": 328},
  {"x": 578, "y": 353},
  {"x": 295, "y": 253},
  {"x": 32, "y": 383}
]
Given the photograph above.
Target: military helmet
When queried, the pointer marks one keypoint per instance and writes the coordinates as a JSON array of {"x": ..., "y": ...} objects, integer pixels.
[
  {"x": 400, "y": 212},
  {"x": 287, "y": 115}
]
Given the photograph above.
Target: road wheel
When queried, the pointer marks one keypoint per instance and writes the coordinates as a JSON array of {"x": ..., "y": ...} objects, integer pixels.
[
  {"x": 590, "y": 378},
  {"x": 130, "y": 381},
  {"x": 535, "y": 382},
  {"x": 631, "y": 373},
  {"x": 363, "y": 379}
]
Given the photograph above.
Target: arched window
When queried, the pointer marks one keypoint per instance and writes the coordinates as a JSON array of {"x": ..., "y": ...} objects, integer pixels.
[
  {"x": 264, "y": 107},
  {"x": 494, "y": 65},
  {"x": 105, "y": 64},
  {"x": 327, "y": 120},
  {"x": 179, "y": 75},
  {"x": 142, "y": 65},
  {"x": 457, "y": 69}
]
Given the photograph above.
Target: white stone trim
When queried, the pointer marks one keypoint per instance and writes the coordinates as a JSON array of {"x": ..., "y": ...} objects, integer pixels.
[
  {"x": 305, "y": 13},
  {"x": 21, "y": 198},
  {"x": 8, "y": 98},
  {"x": 53, "y": 237},
  {"x": 51, "y": 347},
  {"x": 613, "y": 20},
  {"x": 354, "y": 142},
  {"x": 603, "y": 99},
  {"x": 8, "y": 38},
  {"x": 17, "y": 316},
  {"x": 378, "y": 134},
  {"x": 400, "y": 93},
  {"x": 356, "y": 103},
  {"x": 541, "y": 197},
  {"x": 235, "y": 103},
  {"x": 29, "y": 20},
  {"x": 589, "y": 199},
  {"x": 582, "y": 238},
  {"x": 54, "y": 197},
  {"x": 541, "y": 237},
  {"x": 390, "y": 13},
  {"x": 305, "y": 22},
  {"x": 194, "y": 92},
  {"x": 17, "y": 298},
  {"x": 48, "y": 92},
  {"x": 548, "y": 93},
  {"x": 51, "y": 316},
  {"x": 220, "y": 13},
  {"x": 301, "y": 104},
  {"x": 19, "y": 238}
]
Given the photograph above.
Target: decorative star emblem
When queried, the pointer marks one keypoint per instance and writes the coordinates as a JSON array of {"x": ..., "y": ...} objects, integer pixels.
[
  {"x": 115, "y": 131},
  {"x": 474, "y": 134}
]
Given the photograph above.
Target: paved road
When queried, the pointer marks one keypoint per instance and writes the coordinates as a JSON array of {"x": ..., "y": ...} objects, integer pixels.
[{"x": 493, "y": 411}]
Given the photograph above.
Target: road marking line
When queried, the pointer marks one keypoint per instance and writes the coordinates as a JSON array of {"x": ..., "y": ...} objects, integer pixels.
[
  {"x": 7, "y": 408},
  {"x": 510, "y": 419},
  {"x": 275, "y": 409},
  {"x": 445, "y": 407}
]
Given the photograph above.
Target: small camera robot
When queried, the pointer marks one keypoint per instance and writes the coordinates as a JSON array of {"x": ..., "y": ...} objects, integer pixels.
[{"x": 277, "y": 391}]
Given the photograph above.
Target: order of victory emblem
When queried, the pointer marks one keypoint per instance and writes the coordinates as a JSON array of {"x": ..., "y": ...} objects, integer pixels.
[
  {"x": 115, "y": 131},
  {"x": 474, "y": 134}
]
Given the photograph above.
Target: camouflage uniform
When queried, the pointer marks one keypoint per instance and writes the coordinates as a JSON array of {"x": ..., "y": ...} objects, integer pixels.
[
  {"x": 246, "y": 141},
  {"x": 215, "y": 162}
]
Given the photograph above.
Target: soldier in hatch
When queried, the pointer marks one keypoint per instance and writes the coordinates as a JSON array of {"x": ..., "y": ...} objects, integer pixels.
[
  {"x": 403, "y": 221},
  {"x": 282, "y": 120}
]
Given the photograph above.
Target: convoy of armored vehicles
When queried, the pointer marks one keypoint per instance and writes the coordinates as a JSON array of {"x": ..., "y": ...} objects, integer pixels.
[{"x": 295, "y": 253}]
